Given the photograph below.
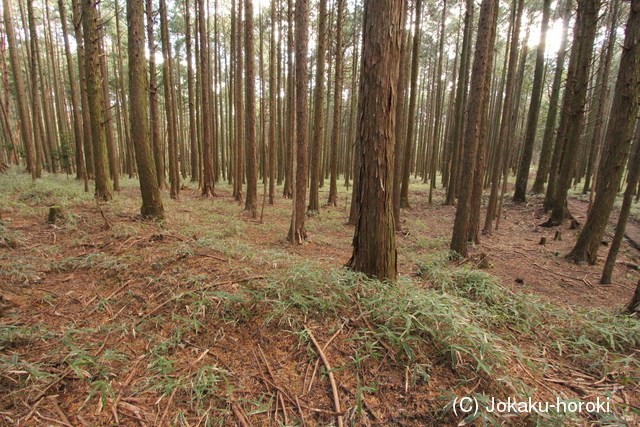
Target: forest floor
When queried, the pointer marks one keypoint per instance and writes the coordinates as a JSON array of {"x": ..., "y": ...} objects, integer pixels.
[{"x": 212, "y": 318}]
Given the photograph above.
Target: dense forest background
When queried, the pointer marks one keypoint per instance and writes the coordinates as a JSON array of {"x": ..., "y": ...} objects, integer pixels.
[
  {"x": 235, "y": 92},
  {"x": 427, "y": 140}
]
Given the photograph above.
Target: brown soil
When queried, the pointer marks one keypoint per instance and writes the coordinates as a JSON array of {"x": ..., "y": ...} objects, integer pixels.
[{"x": 74, "y": 284}]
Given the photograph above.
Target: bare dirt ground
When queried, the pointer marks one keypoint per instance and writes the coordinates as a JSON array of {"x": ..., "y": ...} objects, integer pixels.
[{"x": 111, "y": 320}]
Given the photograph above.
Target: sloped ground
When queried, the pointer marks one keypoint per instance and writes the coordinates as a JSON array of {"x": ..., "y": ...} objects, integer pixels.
[{"x": 210, "y": 318}]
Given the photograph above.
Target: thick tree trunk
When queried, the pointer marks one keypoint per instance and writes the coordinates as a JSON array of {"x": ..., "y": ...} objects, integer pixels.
[
  {"x": 205, "y": 96},
  {"x": 601, "y": 95},
  {"x": 90, "y": 25},
  {"x": 574, "y": 105},
  {"x": 297, "y": 232},
  {"x": 374, "y": 249},
  {"x": 84, "y": 100},
  {"x": 632, "y": 183},
  {"x": 318, "y": 99},
  {"x": 151, "y": 200},
  {"x": 478, "y": 104},
  {"x": 617, "y": 142},
  {"x": 337, "y": 109},
  {"x": 250, "y": 112}
]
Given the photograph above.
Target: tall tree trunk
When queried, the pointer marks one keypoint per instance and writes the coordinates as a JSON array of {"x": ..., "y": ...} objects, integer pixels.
[
  {"x": 273, "y": 113},
  {"x": 337, "y": 110},
  {"x": 90, "y": 25},
  {"x": 552, "y": 113},
  {"x": 437, "y": 116},
  {"x": 318, "y": 100},
  {"x": 354, "y": 209},
  {"x": 127, "y": 143},
  {"x": 108, "y": 117},
  {"x": 170, "y": 106},
  {"x": 154, "y": 110},
  {"x": 505, "y": 123},
  {"x": 601, "y": 95},
  {"x": 632, "y": 183},
  {"x": 398, "y": 154},
  {"x": 574, "y": 104},
  {"x": 250, "y": 112},
  {"x": 617, "y": 142},
  {"x": 534, "y": 110},
  {"x": 478, "y": 104},
  {"x": 84, "y": 100},
  {"x": 459, "y": 112},
  {"x": 151, "y": 200},
  {"x": 42, "y": 156},
  {"x": 193, "y": 133},
  {"x": 205, "y": 96},
  {"x": 21, "y": 94},
  {"x": 49, "y": 134},
  {"x": 374, "y": 248},
  {"x": 408, "y": 147},
  {"x": 239, "y": 107},
  {"x": 297, "y": 232},
  {"x": 291, "y": 109}
]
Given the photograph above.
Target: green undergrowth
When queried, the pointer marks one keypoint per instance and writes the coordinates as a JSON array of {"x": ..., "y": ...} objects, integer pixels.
[
  {"x": 463, "y": 319},
  {"x": 444, "y": 318}
]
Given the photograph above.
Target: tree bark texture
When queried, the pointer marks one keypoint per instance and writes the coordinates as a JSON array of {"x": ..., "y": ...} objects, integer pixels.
[
  {"x": 617, "y": 142},
  {"x": 151, "y": 200},
  {"x": 374, "y": 249}
]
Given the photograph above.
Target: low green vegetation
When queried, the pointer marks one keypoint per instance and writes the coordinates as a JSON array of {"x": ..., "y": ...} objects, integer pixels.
[{"x": 176, "y": 317}]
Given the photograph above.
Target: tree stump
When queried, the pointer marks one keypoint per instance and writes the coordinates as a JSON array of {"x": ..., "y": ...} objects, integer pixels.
[
  {"x": 543, "y": 241},
  {"x": 484, "y": 261},
  {"x": 55, "y": 213},
  {"x": 558, "y": 236}
]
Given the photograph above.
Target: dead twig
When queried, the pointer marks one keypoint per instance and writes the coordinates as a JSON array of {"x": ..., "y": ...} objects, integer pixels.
[
  {"x": 104, "y": 217},
  {"x": 54, "y": 401},
  {"x": 212, "y": 257},
  {"x": 51, "y": 384},
  {"x": 166, "y": 410},
  {"x": 53, "y": 420},
  {"x": 300, "y": 411},
  {"x": 559, "y": 274},
  {"x": 238, "y": 413},
  {"x": 327, "y": 365}
]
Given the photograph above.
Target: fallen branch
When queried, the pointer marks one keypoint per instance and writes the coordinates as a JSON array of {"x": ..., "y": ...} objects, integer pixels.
[
  {"x": 213, "y": 257},
  {"x": 327, "y": 365},
  {"x": 559, "y": 274}
]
